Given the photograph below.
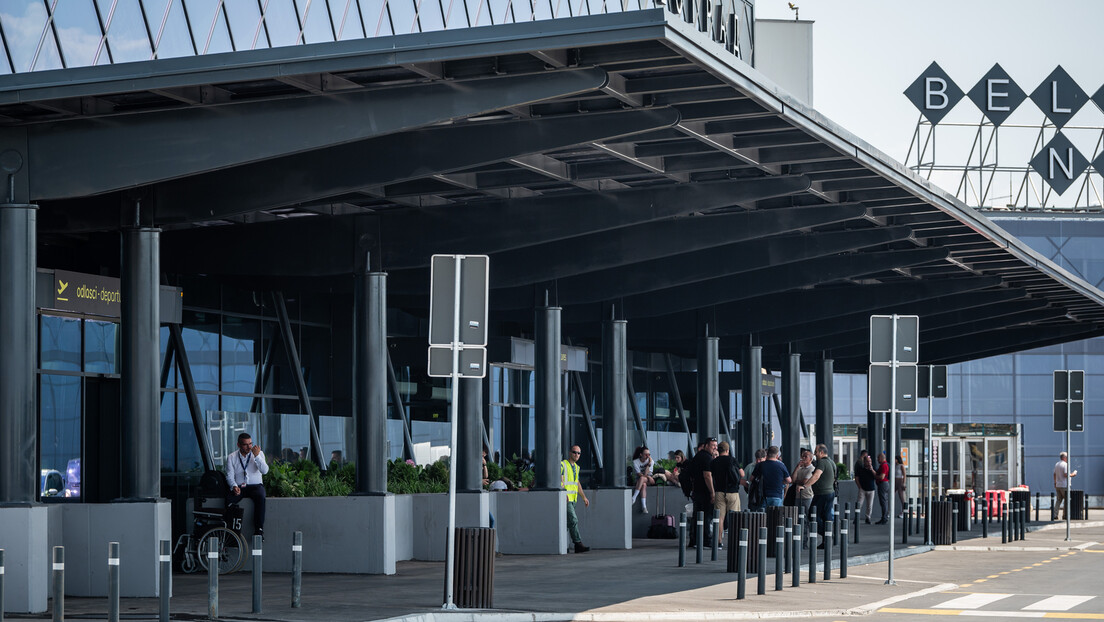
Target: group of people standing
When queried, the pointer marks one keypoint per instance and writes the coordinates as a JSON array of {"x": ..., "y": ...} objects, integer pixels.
[{"x": 875, "y": 480}]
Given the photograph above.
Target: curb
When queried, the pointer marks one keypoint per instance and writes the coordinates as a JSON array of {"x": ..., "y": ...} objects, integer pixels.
[
  {"x": 1073, "y": 525},
  {"x": 1071, "y": 547}
]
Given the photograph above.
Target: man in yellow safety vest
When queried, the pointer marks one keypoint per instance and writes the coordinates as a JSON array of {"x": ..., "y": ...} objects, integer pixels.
[{"x": 569, "y": 479}]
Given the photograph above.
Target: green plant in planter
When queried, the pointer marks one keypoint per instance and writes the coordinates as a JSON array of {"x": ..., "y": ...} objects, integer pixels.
[{"x": 842, "y": 472}]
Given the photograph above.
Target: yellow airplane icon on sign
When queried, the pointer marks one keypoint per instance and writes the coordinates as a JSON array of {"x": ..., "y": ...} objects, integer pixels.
[{"x": 61, "y": 288}]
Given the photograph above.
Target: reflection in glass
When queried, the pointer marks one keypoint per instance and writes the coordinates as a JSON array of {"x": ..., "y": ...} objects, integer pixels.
[
  {"x": 346, "y": 19},
  {"x": 24, "y": 22},
  {"x": 60, "y": 428},
  {"x": 100, "y": 343},
  {"x": 336, "y": 436},
  {"x": 274, "y": 434},
  {"x": 200, "y": 337},
  {"x": 282, "y": 23},
  {"x": 997, "y": 464},
  {"x": 240, "y": 354},
  {"x": 975, "y": 466},
  {"x": 78, "y": 29},
  {"x": 60, "y": 339},
  {"x": 246, "y": 26},
  {"x": 315, "y": 20},
  {"x": 169, "y": 28},
  {"x": 126, "y": 33}
]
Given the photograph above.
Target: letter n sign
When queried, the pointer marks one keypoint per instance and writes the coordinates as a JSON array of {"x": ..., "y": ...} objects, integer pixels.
[
  {"x": 1059, "y": 163},
  {"x": 934, "y": 93}
]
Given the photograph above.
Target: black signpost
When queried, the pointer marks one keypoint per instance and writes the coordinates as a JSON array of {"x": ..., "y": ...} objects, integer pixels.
[
  {"x": 1069, "y": 416},
  {"x": 894, "y": 353},
  {"x": 457, "y": 349}
]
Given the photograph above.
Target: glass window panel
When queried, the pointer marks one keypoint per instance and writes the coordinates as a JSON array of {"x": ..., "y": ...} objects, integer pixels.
[
  {"x": 188, "y": 458},
  {"x": 208, "y": 26},
  {"x": 59, "y": 432},
  {"x": 241, "y": 354},
  {"x": 1038, "y": 363},
  {"x": 169, "y": 432},
  {"x": 997, "y": 462},
  {"x": 245, "y": 25},
  {"x": 78, "y": 28},
  {"x": 544, "y": 9},
  {"x": 403, "y": 17},
  {"x": 336, "y": 436},
  {"x": 346, "y": 20},
  {"x": 200, "y": 337},
  {"x": 100, "y": 345},
  {"x": 60, "y": 337},
  {"x": 501, "y": 12},
  {"x": 24, "y": 22},
  {"x": 126, "y": 33},
  {"x": 170, "y": 33},
  {"x": 455, "y": 14},
  {"x": 283, "y": 25},
  {"x": 315, "y": 20},
  {"x": 430, "y": 16},
  {"x": 377, "y": 17}
]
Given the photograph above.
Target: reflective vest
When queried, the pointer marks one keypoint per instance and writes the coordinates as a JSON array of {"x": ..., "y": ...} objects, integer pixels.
[{"x": 569, "y": 479}]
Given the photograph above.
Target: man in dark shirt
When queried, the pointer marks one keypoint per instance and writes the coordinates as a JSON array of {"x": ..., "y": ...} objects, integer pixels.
[
  {"x": 773, "y": 477},
  {"x": 704, "y": 493},
  {"x": 726, "y": 484},
  {"x": 867, "y": 480},
  {"x": 823, "y": 483}
]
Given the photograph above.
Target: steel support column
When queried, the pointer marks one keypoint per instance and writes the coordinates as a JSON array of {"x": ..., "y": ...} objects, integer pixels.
[
  {"x": 546, "y": 368},
  {"x": 18, "y": 430},
  {"x": 790, "y": 414},
  {"x": 614, "y": 402},
  {"x": 176, "y": 346},
  {"x": 140, "y": 358},
  {"x": 469, "y": 436},
  {"x": 752, "y": 395},
  {"x": 708, "y": 395},
  {"x": 370, "y": 382},
  {"x": 824, "y": 415},
  {"x": 875, "y": 435}
]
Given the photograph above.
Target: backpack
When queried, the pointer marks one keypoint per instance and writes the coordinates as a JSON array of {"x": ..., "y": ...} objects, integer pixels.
[
  {"x": 686, "y": 478},
  {"x": 755, "y": 490}
]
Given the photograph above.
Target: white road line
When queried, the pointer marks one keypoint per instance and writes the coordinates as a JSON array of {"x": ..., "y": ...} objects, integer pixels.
[
  {"x": 1058, "y": 602},
  {"x": 971, "y": 601}
]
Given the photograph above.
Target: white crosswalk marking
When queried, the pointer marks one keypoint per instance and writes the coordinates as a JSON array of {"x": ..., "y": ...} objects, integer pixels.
[
  {"x": 1058, "y": 602},
  {"x": 971, "y": 601}
]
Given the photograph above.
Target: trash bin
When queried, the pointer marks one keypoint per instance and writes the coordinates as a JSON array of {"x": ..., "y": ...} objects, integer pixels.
[
  {"x": 958, "y": 497},
  {"x": 473, "y": 568},
  {"x": 1077, "y": 505},
  {"x": 777, "y": 516},
  {"x": 751, "y": 521},
  {"x": 941, "y": 519}
]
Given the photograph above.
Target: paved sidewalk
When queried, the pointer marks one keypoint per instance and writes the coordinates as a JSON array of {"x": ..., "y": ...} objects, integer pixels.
[{"x": 600, "y": 586}]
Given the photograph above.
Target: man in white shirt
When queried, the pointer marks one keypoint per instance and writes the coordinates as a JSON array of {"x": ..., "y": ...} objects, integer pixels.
[
  {"x": 244, "y": 471},
  {"x": 1061, "y": 486}
]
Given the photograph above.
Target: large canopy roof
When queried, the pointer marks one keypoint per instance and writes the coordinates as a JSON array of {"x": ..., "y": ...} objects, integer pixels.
[{"x": 625, "y": 160}]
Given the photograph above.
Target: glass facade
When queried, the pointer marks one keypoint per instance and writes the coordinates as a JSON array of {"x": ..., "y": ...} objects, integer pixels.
[
  {"x": 52, "y": 34},
  {"x": 1018, "y": 388}
]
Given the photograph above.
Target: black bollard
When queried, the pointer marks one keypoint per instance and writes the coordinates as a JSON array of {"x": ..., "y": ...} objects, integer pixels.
[
  {"x": 855, "y": 525},
  {"x": 835, "y": 519},
  {"x": 165, "y": 561},
  {"x": 789, "y": 549},
  {"x": 258, "y": 569},
  {"x": 741, "y": 564},
  {"x": 1023, "y": 519},
  {"x": 716, "y": 534},
  {"x": 812, "y": 551},
  {"x": 58, "y": 570},
  {"x": 812, "y": 527},
  {"x": 906, "y": 518},
  {"x": 699, "y": 522},
  {"x": 1054, "y": 508},
  {"x": 779, "y": 556},
  {"x": 1004, "y": 523},
  {"x": 296, "y": 568},
  {"x": 954, "y": 523},
  {"x": 212, "y": 577},
  {"x": 904, "y": 527},
  {"x": 796, "y": 555},
  {"x": 843, "y": 551},
  {"x": 682, "y": 540},
  {"x": 761, "y": 584},
  {"x": 828, "y": 550},
  {"x": 113, "y": 582},
  {"x": 1037, "y": 493},
  {"x": 984, "y": 518},
  {"x": 1, "y": 585}
]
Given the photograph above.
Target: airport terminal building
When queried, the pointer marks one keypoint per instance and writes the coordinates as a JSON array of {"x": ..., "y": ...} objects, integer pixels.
[{"x": 219, "y": 217}]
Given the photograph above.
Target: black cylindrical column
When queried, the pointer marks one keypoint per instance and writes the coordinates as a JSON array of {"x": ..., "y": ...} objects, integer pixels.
[
  {"x": 709, "y": 397},
  {"x": 469, "y": 437},
  {"x": 546, "y": 372},
  {"x": 370, "y": 381},
  {"x": 752, "y": 395},
  {"x": 824, "y": 369},
  {"x": 18, "y": 432},
  {"x": 615, "y": 397},
  {"x": 790, "y": 417},
  {"x": 875, "y": 435},
  {"x": 140, "y": 360}
]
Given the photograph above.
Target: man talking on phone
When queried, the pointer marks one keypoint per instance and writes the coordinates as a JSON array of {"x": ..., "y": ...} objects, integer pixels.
[{"x": 244, "y": 471}]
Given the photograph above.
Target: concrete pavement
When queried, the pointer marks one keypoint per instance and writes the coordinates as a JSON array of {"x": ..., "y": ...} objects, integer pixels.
[{"x": 607, "y": 585}]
